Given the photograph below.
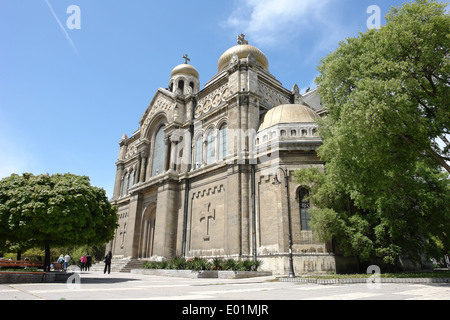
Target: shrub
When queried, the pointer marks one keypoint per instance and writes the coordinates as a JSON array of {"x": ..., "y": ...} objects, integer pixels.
[
  {"x": 217, "y": 264},
  {"x": 230, "y": 264},
  {"x": 200, "y": 264},
  {"x": 177, "y": 263}
]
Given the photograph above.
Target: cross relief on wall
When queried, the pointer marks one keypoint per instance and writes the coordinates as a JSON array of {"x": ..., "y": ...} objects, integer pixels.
[
  {"x": 206, "y": 215},
  {"x": 122, "y": 234}
]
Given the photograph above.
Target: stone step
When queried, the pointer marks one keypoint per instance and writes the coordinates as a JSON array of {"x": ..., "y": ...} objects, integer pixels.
[
  {"x": 132, "y": 264},
  {"x": 119, "y": 265}
]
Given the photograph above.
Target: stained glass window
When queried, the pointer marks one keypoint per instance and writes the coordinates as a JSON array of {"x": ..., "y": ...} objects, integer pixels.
[
  {"x": 158, "y": 153},
  {"x": 222, "y": 142},
  {"x": 198, "y": 155},
  {"x": 131, "y": 179},
  {"x": 125, "y": 185},
  {"x": 211, "y": 148}
]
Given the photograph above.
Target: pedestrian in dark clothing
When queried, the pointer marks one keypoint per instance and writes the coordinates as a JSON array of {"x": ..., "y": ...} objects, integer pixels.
[
  {"x": 108, "y": 262},
  {"x": 88, "y": 262}
]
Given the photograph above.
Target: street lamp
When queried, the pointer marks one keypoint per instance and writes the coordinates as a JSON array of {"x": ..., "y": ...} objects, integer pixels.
[{"x": 286, "y": 183}]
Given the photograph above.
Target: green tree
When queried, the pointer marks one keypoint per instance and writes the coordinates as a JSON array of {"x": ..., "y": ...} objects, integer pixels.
[
  {"x": 392, "y": 86},
  {"x": 58, "y": 210},
  {"x": 386, "y": 92}
]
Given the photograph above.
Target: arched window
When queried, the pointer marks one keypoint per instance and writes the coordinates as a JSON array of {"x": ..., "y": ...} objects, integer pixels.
[
  {"x": 223, "y": 142},
  {"x": 181, "y": 85},
  {"x": 210, "y": 147},
  {"x": 158, "y": 153},
  {"x": 131, "y": 179},
  {"x": 125, "y": 185},
  {"x": 305, "y": 217},
  {"x": 198, "y": 152}
]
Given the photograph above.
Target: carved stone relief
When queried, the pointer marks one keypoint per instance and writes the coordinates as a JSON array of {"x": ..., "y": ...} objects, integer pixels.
[
  {"x": 161, "y": 104},
  {"x": 270, "y": 96},
  {"x": 212, "y": 100}
]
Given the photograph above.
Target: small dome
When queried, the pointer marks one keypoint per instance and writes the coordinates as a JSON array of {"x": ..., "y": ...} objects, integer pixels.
[
  {"x": 288, "y": 113},
  {"x": 242, "y": 51},
  {"x": 185, "y": 69}
]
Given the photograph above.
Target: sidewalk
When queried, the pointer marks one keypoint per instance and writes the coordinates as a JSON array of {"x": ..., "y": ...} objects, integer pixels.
[
  {"x": 126, "y": 286},
  {"x": 365, "y": 280}
]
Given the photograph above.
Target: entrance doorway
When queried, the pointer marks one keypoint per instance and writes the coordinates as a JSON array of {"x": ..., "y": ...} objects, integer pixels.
[{"x": 147, "y": 232}]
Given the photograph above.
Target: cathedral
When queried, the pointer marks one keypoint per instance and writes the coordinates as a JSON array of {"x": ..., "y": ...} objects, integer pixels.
[{"x": 209, "y": 171}]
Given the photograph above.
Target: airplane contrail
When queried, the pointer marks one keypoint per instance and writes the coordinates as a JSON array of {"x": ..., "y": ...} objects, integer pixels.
[{"x": 62, "y": 28}]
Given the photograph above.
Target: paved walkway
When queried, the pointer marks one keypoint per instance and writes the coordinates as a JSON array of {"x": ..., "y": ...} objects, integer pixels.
[{"x": 126, "y": 286}]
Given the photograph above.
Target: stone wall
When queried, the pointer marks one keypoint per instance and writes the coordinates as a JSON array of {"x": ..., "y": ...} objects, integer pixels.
[
  {"x": 308, "y": 264},
  {"x": 33, "y": 277}
]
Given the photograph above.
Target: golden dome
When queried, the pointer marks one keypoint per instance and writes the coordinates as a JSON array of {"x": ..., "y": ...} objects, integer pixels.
[
  {"x": 288, "y": 113},
  {"x": 185, "y": 69},
  {"x": 242, "y": 51}
]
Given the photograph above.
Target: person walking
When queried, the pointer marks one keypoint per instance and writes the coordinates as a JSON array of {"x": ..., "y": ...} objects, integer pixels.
[
  {"x": 83, "y": 261},
  {"x": 88, "y": 261},
  {"x": 108, "y": 258},
  {"x": 66, "y": 261},
  {"x": 61, "y": 261}
]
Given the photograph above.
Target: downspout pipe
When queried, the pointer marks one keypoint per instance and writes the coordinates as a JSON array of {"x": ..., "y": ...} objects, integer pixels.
[
  {"x": 253, "y": 183},
  {"x": 187, "y": 186}
]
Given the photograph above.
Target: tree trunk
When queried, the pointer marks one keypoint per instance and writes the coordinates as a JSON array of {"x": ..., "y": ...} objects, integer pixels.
[
  {"x": 47, "y": 256},
  {"x": 430, "y": 152}
]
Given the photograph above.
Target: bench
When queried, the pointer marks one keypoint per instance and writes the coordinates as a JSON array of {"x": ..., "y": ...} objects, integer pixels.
[
  {"x": 57, "y": 266},
  {"x": 21, "y": 264}
]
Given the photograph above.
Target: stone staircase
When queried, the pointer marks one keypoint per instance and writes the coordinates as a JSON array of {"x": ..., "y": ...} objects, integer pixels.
[
  {"x": 119, "y": 265},
  {"x": 132, "y": 264}
]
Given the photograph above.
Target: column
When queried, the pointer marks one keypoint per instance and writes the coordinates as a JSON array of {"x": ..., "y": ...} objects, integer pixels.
[
  {"x": 167, "y": 154},
  {"x": 172, "y": 155},
  {"x": 143, "y": 166},
  {"x": 119, "y": 175}
]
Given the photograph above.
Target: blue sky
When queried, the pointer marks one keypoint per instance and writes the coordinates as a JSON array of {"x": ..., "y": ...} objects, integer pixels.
[{"x": 68, "y": 95}]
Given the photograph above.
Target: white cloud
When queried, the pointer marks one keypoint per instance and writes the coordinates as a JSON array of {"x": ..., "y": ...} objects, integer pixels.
[{"x": 271, "y": 21}]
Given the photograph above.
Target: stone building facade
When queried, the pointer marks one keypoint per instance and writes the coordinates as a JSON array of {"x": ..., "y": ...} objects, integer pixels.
[{"x": 201, "y": 175}]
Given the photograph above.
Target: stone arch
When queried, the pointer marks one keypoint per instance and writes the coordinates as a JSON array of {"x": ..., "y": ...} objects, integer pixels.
[
  {"x": 221, "y": 123},
  {"x": 159, "y": 121},
  {"x": 147, "y": 234}
]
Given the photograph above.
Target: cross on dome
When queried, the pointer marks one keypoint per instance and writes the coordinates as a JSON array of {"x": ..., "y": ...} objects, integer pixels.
[
  {"x": 241, "y": 39},
  {"x": 186, "y": 59}
]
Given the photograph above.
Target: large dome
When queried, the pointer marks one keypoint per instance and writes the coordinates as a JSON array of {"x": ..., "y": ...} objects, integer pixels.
[
  {"x": 288, "y": 113},
  {"x": 242, "y": 51},
  {"x": 185, "y": 69}
]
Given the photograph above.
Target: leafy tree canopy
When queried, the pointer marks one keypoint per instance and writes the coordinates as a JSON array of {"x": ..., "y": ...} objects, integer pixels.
[
  {"x": 56, "y": 209},
  {"x": 388, "y": 90},
  {"x": 383, "y": 192}
]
